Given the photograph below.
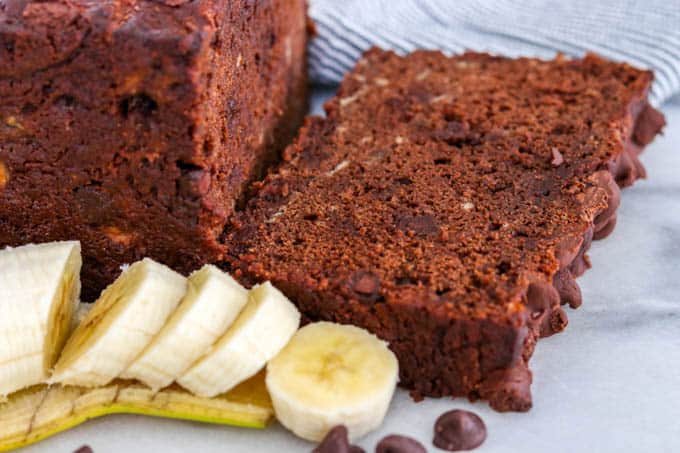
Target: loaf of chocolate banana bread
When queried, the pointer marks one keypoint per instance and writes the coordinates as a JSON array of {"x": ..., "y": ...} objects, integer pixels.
[
  {"x": 135, "y": 126},
  {"x": 446, "y": 204}
]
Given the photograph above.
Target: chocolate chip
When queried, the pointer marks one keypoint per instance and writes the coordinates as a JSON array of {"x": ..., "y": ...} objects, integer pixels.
[
  {"x": 567, "y": 249},
  {"x": 568, "y": 289},
  {"x": 606, "y": 229},
  {"x": 366, "y": 284},
  {"x": 141, "y": 104},
  {"x": 336, "y": 441},
  {"x": 557, "y": 322},
  {"x": 542, "y": 296},
  {"x": 94, "y": 204},
  {"x": 649, "y": 123},
  {"x": 543, "y": 299},
  {"x": 455, "y": 133},
  {"x": 509, "y": 389},
  {"x": 173, "y": 2},
  {"x": 84, "y": 449},
  {"x": 422, "y": 225},
  {"x": 459, "y": 430},
  {"x": 399, "y": 444},
  {"x": 625, "y": 168}
]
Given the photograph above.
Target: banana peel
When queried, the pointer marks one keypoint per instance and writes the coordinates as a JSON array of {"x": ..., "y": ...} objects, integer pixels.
[{"x": 41, "y": 411}]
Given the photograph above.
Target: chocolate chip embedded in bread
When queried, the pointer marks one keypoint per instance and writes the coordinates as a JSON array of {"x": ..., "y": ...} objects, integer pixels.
[
  {"x": 173, "y": 2},
  {"x": 626, "y": 168},
  {"x": 459, "y": 430},
  {"x": 508, "y": 389},
  {"x": 648, "y": 124},
  {"x": 544, "y": 300},
  {"x": 399, "y": 444},
  {"x": 421, "y": 225},
  {"x": 366, "y": 285},
  {"x": 454, "y": 133},
  {"x": 567, "y": 249},
  {"x": 568, "y": 289},
  {"x": 581, "y": 262},
  {"x": 606, "y": 229},
  {"x": 605, "y": 220},
  {"x": 94, "y": 204}
]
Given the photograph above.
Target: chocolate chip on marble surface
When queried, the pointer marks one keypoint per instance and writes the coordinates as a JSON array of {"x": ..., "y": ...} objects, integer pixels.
[
  {"x": 459, "y": 430},
  {"x": 84, "y": 449},
  {"x": 399, "y": 444},
  {"x": 337, "y": 441}
]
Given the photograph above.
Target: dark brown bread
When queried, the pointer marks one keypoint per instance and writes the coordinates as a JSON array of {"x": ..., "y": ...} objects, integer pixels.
[
  {"x": 446, "y": 204},
  {"x": 135, "y": 125}
]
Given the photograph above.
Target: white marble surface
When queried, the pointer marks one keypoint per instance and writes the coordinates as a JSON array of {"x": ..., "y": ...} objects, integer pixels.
[{"x": 609, "y": 383}]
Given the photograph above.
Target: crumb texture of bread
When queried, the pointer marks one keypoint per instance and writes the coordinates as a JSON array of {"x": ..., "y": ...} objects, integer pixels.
[
  {"x": 447, "y": 204},
  {"x": 136, "y": 126}
]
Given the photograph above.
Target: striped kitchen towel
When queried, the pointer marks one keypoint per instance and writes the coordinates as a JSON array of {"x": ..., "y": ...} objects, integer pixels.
[{"x": 645, "y": 33}]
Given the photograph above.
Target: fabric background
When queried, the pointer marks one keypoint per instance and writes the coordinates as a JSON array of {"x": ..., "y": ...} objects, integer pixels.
[{"x": 643, "y": 33}]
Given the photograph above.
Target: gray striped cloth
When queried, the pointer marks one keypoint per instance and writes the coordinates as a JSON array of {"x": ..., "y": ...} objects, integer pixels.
[{"x": 643, "y": 33}]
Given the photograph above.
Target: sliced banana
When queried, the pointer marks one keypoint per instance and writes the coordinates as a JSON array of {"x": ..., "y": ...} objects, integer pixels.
[
  {"x": 212, "y": 302},
  {"x": 331, "y": 374},
  {"x": 262, "y": 329},
  {"x": 128, "y": 314},
  {"x": 39, "y": 291}
]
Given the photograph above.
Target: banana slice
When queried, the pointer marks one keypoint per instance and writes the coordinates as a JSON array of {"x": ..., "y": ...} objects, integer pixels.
[
  {"x": 120, "y": 325},
  {"x": 262, "y": 329},
  {"x": 212, "y": 302},
  {"x": 331, "y": 374},
  {"x": 39, "y": 291},
  {"x": 39, "y": 412}
]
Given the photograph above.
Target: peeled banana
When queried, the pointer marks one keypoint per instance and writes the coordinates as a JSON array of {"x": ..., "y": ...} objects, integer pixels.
[
  {"x": 331, "y": 374},
  {"x": 262, "y": 329},
  {"x": 129, "y": 313},
  {"x": 212, "y": 302},
  {"x": 39, "y": 291}
]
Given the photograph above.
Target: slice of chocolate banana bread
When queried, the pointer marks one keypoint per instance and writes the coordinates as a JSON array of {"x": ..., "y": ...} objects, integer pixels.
[
  {"x": 135, "y": 126},
  {"x": 446, "y": 204}
]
